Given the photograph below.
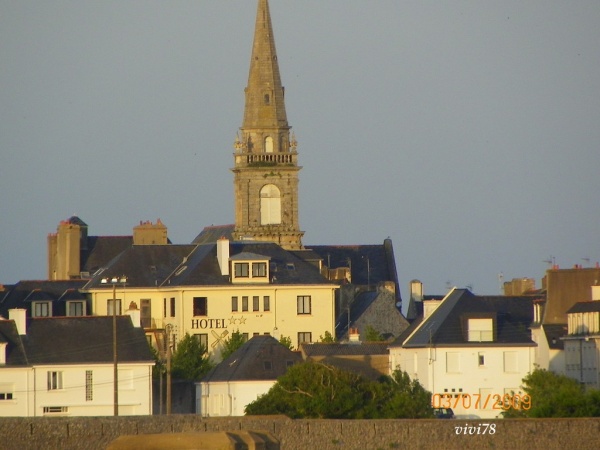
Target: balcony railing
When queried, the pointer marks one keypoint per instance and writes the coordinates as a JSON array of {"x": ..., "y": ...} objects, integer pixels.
[{"x": 265, "y": 159}]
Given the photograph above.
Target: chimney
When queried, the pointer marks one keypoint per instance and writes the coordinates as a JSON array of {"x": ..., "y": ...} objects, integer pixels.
[
  {"x": 134, "y": 314},
  {"x": 20, "y": 317},
  {"x": 429, "y": 306},
  {"x": 353, "y": 336},
  {"x": 416, "y": 290},
  {"x": 223, "y": 255}
]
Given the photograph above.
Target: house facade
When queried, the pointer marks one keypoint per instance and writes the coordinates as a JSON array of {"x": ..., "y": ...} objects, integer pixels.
[
  {"x": 469, "y": 351},
  {"x": 65, "y": 367},
  {"x": 213, "y": 290},
  {"x": 582, "y": 342},
  {"x": 244, "y": 376}
]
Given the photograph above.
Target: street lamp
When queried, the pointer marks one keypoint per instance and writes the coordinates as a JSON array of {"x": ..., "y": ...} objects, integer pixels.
[{"x": 114, "y": 281}]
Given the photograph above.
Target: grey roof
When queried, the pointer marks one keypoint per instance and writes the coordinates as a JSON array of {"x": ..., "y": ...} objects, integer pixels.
[
  {"x": 582, "y": 307},
  {"x": 248, "y": 362},
  {"x": 21, "y": 294},
  {"x": 197, "y": 265},
  {"x": 99, "y": 250},
  {"x": 345, "y": 349},
  {"x": 74, "y": 340},
  {"x": 210, "y": 235},
  {"x": 447, "y": 324}
]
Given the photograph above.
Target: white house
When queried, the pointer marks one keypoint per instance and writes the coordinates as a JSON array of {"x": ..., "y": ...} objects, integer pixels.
[
  {"x": 242, "y": 377},
  {"x": 64, "y": 366},
  {"x": 469, "y": 351},
  {"x": 582, "y": 343}
]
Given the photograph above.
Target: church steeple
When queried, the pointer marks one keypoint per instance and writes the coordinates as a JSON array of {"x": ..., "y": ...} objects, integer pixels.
[{"x": 266, "y": 167}]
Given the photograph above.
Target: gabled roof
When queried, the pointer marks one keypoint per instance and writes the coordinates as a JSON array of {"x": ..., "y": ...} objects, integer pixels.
[
  {"x": 344, "y": 349},
  {"x": 447, "y": 325},
  {"x": 101, "y": 249},
  {"x": 197, "y": 265},
  {"x": 74, "y": 340},
  {"x": 582, "y": 307},
  {"x": 15, "y": 353},
  {"x": 210, "y": 235},
  {"x": 261, "y": 358},
  {"x": 22, "y": 293}
]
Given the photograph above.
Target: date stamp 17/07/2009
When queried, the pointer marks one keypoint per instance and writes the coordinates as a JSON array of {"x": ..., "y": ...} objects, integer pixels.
[{"x": 477, "y": 401}]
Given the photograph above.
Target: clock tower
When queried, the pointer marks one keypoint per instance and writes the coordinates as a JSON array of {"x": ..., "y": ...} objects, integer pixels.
[{"x": 266, "y": 162}]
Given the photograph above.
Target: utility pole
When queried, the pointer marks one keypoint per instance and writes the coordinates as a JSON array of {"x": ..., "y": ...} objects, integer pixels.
[{"x": 168, "y": 329}]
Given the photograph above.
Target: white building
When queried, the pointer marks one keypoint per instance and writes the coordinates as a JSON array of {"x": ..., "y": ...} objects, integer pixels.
[
  {"x": 468, "y": 351},
  {"x": 582, "y": 343},
  {"x": 65, "y": 367},
  {"x": 242, "y": 377}
]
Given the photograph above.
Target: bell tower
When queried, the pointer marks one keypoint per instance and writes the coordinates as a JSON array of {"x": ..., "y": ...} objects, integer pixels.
[{"x": 266, "y": 162}]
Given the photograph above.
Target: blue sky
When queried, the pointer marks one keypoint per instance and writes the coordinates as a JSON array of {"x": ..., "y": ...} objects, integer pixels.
[{"x": 466, "y": 131}]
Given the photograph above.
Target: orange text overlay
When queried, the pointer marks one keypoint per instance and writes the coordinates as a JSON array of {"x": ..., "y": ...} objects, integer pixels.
[{"x": 478, "y": 401}]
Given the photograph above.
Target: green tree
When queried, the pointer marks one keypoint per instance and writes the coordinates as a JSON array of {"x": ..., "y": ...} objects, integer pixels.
[
  {"x": 158, "y": 363},
  {"x": 551, "y": 395},
  {"x": 315, "y": 390},
  {"x": 286, "y": 341},
  {"x": 231, "y": 344},
  {"x": 327, "y": 339},
  {"x": 190, "y": 360},
  {"x": 372, "y": 335}
]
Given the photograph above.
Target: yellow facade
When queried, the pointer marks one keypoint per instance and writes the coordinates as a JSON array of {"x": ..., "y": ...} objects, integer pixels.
[{"x": 300, "y": 312}]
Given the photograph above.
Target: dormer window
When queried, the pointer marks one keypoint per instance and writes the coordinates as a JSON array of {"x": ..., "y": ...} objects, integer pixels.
[
  {"x": 480, "y": 329},
  {"x": 241, "y": 270},
  {"x": 249, "y": 268},
  {"x": 41, "y": 309}
]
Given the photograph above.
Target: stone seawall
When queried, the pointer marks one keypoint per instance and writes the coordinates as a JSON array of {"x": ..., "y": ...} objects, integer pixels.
[{"x": 92, "y": 433}]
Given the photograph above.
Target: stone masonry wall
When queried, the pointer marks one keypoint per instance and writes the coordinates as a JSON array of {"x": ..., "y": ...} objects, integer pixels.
[{"x": 97, "y": 432}]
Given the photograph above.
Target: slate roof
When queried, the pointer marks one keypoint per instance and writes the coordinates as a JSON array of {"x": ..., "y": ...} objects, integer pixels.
[
  {"x": 101, "y": 249},
  {"x": 210, "y": 235},
  {"x": 21, "y": 294},
  {"x": 582, "y": 307},
  {"x": 447, "y": 325},
  {"x": 74, "y": 340},
  {"x": 553, "y": 333},
  {"x": 197, "y": 265},
  {"x": 248, "y": 362},
  {"x": 344, "y": 349}
]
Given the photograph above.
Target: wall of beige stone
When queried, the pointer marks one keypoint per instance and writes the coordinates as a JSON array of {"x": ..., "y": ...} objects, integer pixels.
[{"x": 97, "y": 432}]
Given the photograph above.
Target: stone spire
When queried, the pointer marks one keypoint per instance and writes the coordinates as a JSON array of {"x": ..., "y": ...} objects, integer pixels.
[
  {"x": 265, "y": 107},
  {"x": 266, "y": 167}
]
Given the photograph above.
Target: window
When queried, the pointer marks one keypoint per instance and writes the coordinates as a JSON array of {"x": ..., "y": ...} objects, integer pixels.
[
  {"x": 304, "y": 336},
  {"x": 289, "y": 363},
  {"x": 41, "y": 309},
  {"x": 255, "y": 303},
  {"x": 511, "y": 362},
  {"x": 89, "y": 386},
  {"x": 6, "y": 392},
  {"x": 304, "y": 304},
  {"x": 244, "y": 303},
  {"x": 172, "y": 306},
  {"x": 245, "y": 337},
  {"x": 259, "y": 269},
  {"x": 200, "y": 306},
  {"x": 266, "y": 303},
  {"x": 146, "y": 313},
  {"x": 270, "y": 205},
  {"x": 55, "y": 381},
  {"x": 234, "y": 304},
  {"x": 268, "y": 365},
  {"x": 164, "y": 307},
  {"x": 241, "y": 270},
  {"x": 267, "y": 99},
  {"x": 481, "y": 330},
  {"x": 453, "y": 362},
  {"x": 109, "y": 306},
  {"x": 56, "y": 409},
  {"x": 268, "y": 139},
  {"x": 481, "y": 359},
  {"x": 75, "y": 309},
  {"x": 203, "y": 339}
]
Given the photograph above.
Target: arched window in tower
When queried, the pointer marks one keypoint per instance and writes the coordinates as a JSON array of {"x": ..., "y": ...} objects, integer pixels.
[
  {"x": 269, "y": 144},
  {"x": 270, "y": 205}
]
